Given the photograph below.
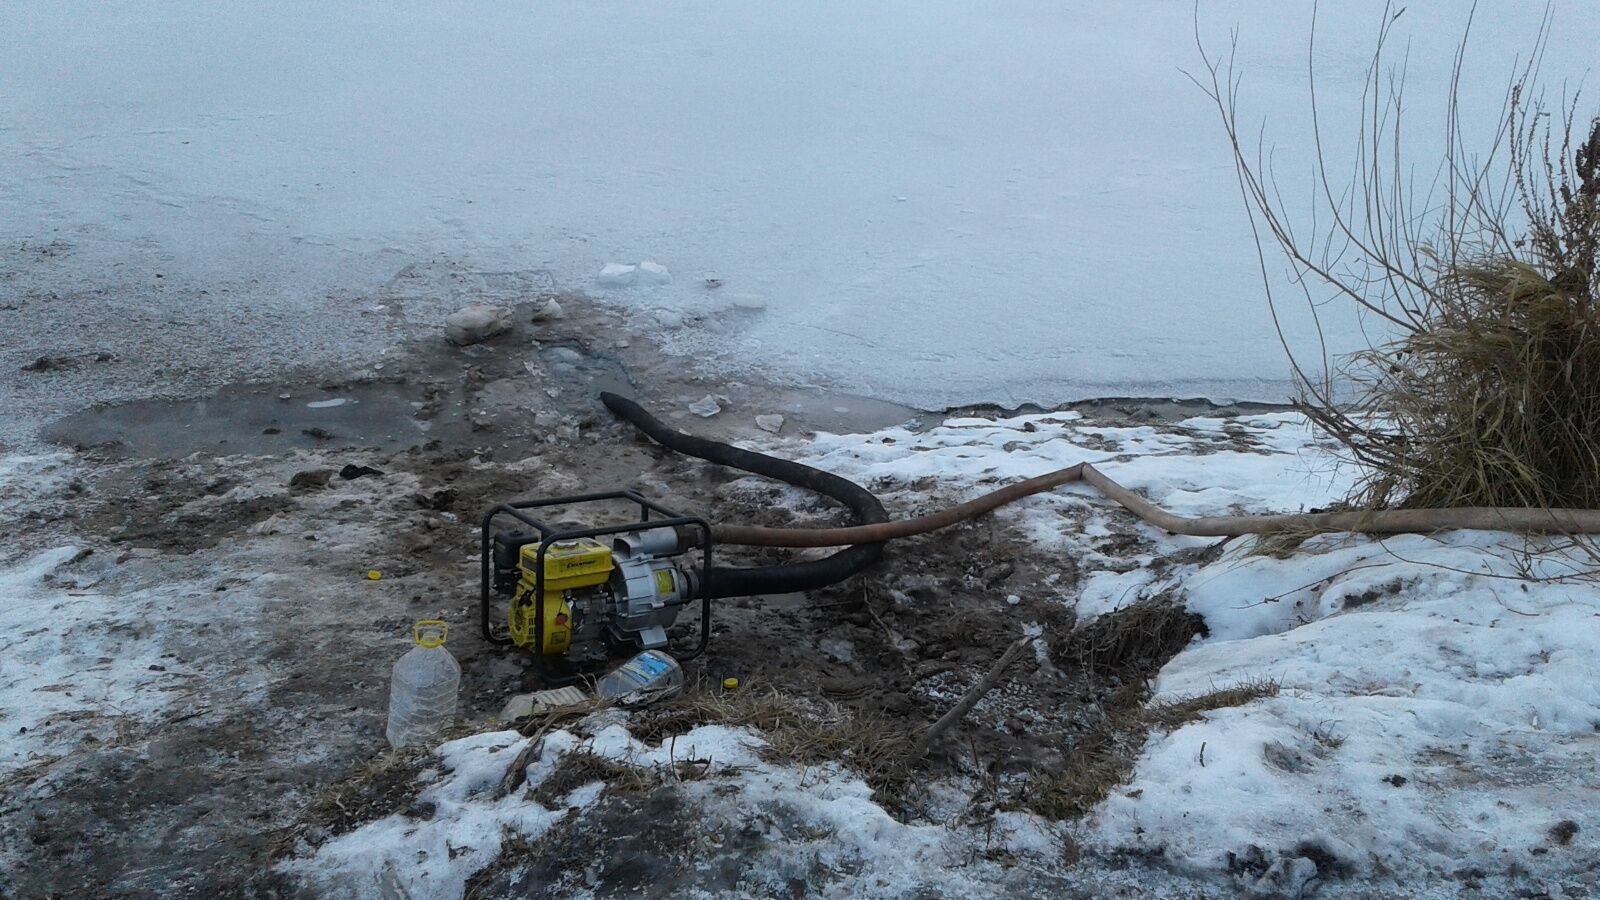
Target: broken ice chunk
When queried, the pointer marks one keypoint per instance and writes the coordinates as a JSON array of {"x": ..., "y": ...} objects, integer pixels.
[
  {"x": 476, "y": 322},
  {"x": 652, "y": 273},
  {"x": 616, "y": 275},
  {"x": 705, "y": 407}
]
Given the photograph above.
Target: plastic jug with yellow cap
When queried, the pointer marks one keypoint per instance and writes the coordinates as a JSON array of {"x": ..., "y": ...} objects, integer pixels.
[{"x": 422, "y": 693}]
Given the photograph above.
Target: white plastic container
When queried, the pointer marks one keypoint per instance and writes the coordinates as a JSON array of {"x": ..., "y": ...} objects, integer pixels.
[
  {"x": 650, "y": 676},
  {"x": 423, "y": 689}
]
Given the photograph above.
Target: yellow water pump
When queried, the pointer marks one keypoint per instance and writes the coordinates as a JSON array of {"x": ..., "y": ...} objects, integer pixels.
[{"x": 577, "y": 593}]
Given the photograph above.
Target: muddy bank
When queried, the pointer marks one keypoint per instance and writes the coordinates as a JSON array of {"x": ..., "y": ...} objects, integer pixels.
[
  {"x": 236, "y": 529},
  {"x": 233, "y": 510}
]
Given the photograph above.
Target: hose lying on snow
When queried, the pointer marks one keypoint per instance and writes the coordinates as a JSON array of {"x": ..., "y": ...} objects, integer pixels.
[
  {"x": 1382, "y": 521},
  {"x": 791, "y": 577}
]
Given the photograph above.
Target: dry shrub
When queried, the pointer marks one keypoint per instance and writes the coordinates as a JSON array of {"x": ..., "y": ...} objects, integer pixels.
[
  {"x": 1484, "y": 386},
  {"x": 1496, "y": 403}
]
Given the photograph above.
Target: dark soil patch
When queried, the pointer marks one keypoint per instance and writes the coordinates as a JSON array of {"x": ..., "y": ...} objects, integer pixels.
[{"x": 653, "y": 844}]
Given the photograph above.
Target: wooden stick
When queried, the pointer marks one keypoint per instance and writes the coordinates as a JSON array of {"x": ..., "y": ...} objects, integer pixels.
[
  {"x": 971, "y": 697},
  {"x": 519, "y": 767}
]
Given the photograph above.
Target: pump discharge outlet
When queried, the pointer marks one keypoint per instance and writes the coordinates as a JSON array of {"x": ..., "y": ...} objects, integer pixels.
[{"x": 423, "y": 689}]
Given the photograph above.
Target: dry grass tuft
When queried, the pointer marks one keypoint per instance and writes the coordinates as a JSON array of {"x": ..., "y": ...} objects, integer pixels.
[
  {"x": 1282, "y": 544},
  {"x": 879, "y": 749},
  {"x": 1102, "y": 760},
  {"x": 1135, "y": 640},
  {"x": 1495, "y": 403},
  {"x": 763, "y": 710},
  {"x": 385, "y": 784},
  {"x": 581, "y": 767},
  {"x": 1168, "y": 715},
  {"x": 797, "y": 732}
]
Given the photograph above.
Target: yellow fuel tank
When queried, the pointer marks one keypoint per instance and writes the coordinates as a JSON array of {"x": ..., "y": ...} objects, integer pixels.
[{"x": 574, "y": 565}]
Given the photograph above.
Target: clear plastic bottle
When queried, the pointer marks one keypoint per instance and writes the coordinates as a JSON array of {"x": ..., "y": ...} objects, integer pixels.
[
  {"x": 648, "y": 677},
  {"x": 422, "y": 692}
]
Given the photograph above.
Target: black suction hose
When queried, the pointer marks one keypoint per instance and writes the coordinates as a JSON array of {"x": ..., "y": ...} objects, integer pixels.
[{"x": 791, "y": 577}]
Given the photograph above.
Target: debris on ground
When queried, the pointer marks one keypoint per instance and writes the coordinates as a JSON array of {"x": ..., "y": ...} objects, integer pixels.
[
  {"x": 538, "y": 703},
  {"x": 549, "y": 312},
  {"x": 705, "y": 407},
  {"x": 310, "y": 479},
  {"x": 476, "y": 323},
  {"x": 351, "y": 471}
]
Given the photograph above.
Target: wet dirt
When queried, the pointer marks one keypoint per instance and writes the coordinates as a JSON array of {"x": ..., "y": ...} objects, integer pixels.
[{"x": 521, "y": 386}]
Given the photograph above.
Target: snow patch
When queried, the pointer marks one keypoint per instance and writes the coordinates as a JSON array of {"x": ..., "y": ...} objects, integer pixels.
[
  {"x": 80, "y": 660},
  {"x": 821, "y": 816},
  {"x": 1437, "y": 714}
]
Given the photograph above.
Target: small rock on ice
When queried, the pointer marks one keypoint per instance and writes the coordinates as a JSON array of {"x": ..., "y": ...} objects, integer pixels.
[
  {"x": 549, "y": 312},
  {"x": 616, "y": 275},
  {"x": 705, "y": 407},
  {"x": 652, "y": 273},
  {"x": 477, "y": 322},
  {"x": 772, "y": 424}
]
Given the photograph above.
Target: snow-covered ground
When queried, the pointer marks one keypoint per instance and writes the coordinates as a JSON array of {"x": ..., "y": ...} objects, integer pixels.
[
  {"x": 1435, "y": 729},
  {"x": 1440, "y": 697},
  {"x": 1438, "y": 714},
  {"x": 789, "y": 807},
  {"x": 929, "y": 202}
]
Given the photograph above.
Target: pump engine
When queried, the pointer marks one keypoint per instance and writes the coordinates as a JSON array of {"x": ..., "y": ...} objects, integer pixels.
[{"x": 577, "y": 593}]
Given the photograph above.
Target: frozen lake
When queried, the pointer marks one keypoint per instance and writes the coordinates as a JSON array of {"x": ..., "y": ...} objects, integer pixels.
[{"x": 929, "y": 202}]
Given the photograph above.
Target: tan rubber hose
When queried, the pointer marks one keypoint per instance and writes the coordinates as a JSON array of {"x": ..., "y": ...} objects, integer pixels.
[{"x": 1385, "y": 521}]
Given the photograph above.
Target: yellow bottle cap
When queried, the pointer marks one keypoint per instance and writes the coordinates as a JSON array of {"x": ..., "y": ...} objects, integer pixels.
[
  {"x": 430, "y": 633},
  {"x": 373, "y": 574},
  {"x": 730, "y": 684}
]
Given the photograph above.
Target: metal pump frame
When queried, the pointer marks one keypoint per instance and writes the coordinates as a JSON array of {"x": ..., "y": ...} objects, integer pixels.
[{"x": 548, "y": 535}]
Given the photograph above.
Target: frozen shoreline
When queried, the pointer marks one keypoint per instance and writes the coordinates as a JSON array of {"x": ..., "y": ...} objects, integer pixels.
[{"x": 929, "y": 203}]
